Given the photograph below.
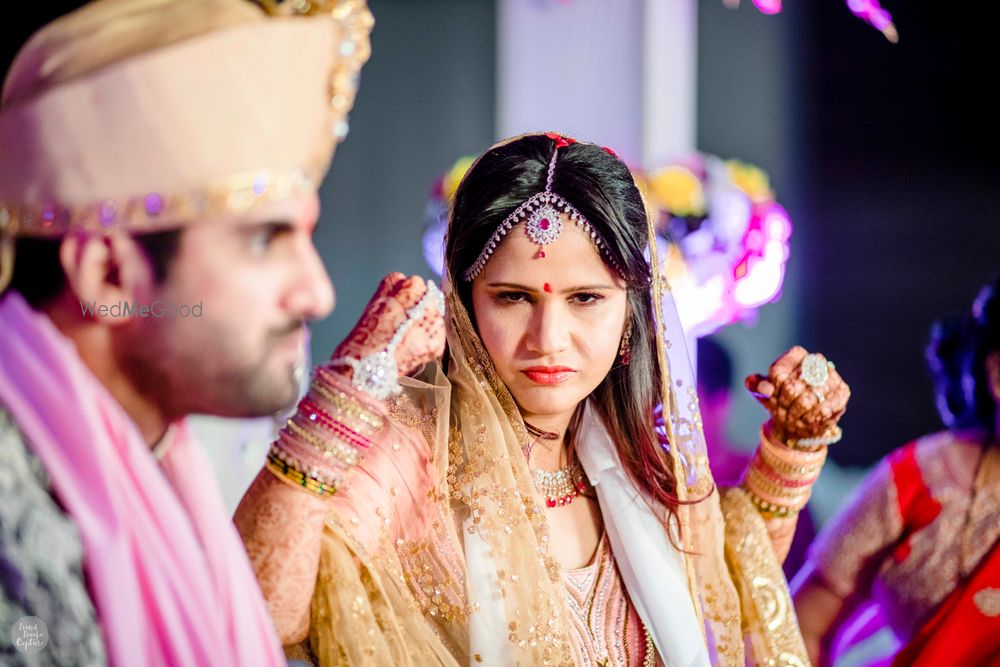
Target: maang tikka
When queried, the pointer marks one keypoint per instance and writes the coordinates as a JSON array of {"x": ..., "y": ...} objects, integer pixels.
[{"x": 542, "y": 217}]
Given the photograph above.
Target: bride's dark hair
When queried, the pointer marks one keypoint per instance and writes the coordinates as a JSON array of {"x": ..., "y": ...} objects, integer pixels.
[{"x": 600, "y": 186}]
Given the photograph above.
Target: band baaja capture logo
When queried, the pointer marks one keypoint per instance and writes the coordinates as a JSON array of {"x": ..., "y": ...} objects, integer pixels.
[{"x": 29, "y": 635}]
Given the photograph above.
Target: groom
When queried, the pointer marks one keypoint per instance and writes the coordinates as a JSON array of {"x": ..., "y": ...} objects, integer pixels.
[{"x": 159, "y": 167}]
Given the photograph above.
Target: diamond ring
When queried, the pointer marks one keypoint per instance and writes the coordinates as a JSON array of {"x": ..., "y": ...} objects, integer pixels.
[{"x": 815, "y": 372}]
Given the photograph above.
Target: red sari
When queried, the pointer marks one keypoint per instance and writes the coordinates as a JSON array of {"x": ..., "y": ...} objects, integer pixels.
[
  {"x": 920, "y": 539},
  {"x": 966, "y": 628}
]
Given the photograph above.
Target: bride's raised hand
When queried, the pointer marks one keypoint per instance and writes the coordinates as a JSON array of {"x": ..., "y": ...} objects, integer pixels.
[
  {"x": 400, "y": 329},
  {"x": 804, "y": 394}
]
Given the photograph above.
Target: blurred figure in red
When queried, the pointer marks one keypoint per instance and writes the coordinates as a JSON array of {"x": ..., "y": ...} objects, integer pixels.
[{"x": 920, "y": 537}]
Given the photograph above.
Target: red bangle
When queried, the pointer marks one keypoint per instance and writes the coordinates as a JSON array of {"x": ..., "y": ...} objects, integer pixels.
[
  {"x": 762, "y": 467},
  {"x": 336, "y": 426}
]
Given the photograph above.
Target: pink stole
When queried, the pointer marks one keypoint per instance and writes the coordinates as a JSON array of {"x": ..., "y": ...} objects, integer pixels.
[{"x": 166, "y": 569}]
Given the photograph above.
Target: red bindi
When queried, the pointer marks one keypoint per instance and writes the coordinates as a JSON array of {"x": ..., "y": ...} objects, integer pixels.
[{"x": 547, "y": 287}]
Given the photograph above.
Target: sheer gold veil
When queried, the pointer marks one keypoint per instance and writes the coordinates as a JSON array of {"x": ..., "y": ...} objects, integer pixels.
[{"x": 480, "y": 585}]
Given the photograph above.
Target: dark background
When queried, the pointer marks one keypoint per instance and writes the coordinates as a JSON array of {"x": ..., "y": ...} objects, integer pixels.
[
  {"x": 886, "y": 157},
  {"x": 901, "y": 181}
]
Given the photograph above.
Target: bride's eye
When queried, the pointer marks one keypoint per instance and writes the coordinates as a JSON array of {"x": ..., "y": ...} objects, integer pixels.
[
  {"x": 512, "y": 297},
  {"x": 587, "y": 298}
]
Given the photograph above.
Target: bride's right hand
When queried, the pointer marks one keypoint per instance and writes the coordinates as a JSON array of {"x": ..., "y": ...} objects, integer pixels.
[{"x": 384, "y": 314}]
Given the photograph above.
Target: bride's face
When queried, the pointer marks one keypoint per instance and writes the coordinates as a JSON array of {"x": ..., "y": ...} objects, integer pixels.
[{"x": 552, "y": 325}]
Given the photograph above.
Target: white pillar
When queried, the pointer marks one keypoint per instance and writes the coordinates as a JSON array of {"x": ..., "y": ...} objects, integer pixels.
[
  {"x": 670, "y": 83},
  {"x": 617, "y": 72}
]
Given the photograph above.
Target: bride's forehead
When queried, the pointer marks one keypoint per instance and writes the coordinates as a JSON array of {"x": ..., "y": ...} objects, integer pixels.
[{"x": 573, "y": 250}]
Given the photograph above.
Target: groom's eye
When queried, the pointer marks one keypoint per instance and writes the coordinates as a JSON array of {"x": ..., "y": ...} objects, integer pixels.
[{"x": 263, "y": 236}]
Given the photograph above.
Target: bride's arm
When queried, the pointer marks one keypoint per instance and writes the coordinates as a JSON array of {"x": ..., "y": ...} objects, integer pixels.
[
  {"x": 282, "y": 523},
  {"x": 779, "y": 481},
  {"x": 805, "y": 406},
  {"x": 281, "y": 527},
  {"x": 340, "y": 455}
]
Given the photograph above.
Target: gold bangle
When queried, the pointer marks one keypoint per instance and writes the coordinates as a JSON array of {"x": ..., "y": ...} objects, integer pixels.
[
  {"x": 314, "y": 441},
  {"x": 799, "y": 457},
  {"x": 774, "y": 511},
  {"x": 769, "y": 507},
  {"x": 296, "y": 478},
  {"x": 327, "y": 438},
  {"x": 334, "y": 448},
  {"x": 756, "y": 480},
  {"x": 783, "y": 466},
  {"x": 775, "y": 499},
  {"x": 346, "y": 405},
  {"x": 325, "y": 411},
  {"x": 335, "y": 382},
  {"x": 324, "y": 423},
  {"x": 783, "y": 469},
  {"x": 327, "y": 474},
  {"x": 790, "y": 480},
  {"x": 777, "y": 489}
]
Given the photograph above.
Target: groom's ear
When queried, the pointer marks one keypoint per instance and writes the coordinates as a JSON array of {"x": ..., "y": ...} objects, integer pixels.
[{"x": 106, "y": 268}]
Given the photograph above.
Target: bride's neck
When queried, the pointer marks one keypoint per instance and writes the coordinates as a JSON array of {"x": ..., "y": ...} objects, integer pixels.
[{"x": 550, "y": 436}]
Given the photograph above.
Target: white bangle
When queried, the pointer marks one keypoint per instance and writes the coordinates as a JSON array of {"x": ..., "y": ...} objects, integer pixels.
[{"x": 831, "y": 437}]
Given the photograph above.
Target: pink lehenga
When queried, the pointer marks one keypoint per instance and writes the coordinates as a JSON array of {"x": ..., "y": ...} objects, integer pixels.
[{"x": 604, "y": 626}]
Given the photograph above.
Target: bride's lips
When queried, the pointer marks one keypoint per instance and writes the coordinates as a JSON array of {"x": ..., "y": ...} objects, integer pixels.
[{"x": 548, "y": 375}]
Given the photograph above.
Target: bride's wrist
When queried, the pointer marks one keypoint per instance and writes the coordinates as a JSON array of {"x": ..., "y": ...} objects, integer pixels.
[
  {"x": 376, "y": 374},
  {"x": 328, "y": 436},
  {"x": 335, "y": 387},
  {"x": 779, "y": 478},
  {"x": 831, "y": 435}
]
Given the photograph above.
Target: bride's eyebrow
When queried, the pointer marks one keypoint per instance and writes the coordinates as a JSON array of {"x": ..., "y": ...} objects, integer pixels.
[{"x": 568, "y": 290}]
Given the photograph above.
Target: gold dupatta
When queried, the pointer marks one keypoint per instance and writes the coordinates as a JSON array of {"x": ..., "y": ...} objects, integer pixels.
[{"x": 409, "y": 599}]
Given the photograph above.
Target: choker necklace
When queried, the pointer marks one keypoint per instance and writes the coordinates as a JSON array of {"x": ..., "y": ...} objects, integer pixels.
[{"x": 560, "y": 487}]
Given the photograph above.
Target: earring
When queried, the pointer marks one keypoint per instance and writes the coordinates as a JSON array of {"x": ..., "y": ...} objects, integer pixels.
[{"x": 625, "y": 351}]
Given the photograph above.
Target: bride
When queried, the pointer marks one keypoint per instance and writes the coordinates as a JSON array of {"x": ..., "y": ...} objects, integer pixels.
[{"x": 513, "y": 471}]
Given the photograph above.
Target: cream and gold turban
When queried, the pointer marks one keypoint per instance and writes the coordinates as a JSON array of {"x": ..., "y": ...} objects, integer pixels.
[{"x": 150, "y": 114}]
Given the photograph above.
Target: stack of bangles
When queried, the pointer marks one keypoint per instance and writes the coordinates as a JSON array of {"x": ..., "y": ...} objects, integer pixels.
[
  {"x": 328, "y": 435},
  {"x": 780, "y": 477}
]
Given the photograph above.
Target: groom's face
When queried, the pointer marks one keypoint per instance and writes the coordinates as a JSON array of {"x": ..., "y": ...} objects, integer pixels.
[{"x": 242, "y": 287}]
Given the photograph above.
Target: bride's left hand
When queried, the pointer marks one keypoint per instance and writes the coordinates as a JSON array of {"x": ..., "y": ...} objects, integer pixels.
[{"x": 800, "y": 410}]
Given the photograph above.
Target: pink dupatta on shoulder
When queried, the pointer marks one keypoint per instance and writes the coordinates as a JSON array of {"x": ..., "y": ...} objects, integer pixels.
[{"x": 165, "y": 567}]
